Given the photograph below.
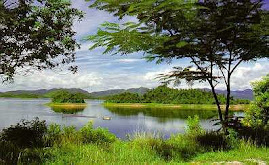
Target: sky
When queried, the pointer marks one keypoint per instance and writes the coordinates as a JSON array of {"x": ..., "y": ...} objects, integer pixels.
[{"x": 102, "y": 72}]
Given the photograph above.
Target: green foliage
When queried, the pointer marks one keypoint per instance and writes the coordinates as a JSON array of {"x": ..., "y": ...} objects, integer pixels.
[
  {"x": 65, "y": 145},
  {"x": 67, "y": 110},
  {"x": 216, "y": 37},
  {"x": 32, "y": 37},
  {"x": 258, "y": 115},
  {"x": 125, "y": 97},
  {"x": 63, "y": 96},
  {"x": 193, "y": 126},
  {"x": 166, "y": 95},
  {"x": 26, "y": 134},
  {"x": 21, "y": 95},
  {"x": 98, "y": 135},
  {"x": 18, "y": 142},
  {"x": 213, "y": 141}
]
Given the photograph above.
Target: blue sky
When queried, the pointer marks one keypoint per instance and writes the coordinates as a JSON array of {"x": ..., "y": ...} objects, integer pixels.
[{"x": 102, "y": 72}]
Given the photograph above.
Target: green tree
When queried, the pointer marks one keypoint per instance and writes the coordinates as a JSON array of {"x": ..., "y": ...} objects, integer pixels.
[
  {"x": 64, "y": 96},
  {"x": 258, "y": 115},
  {"x": 36, "y": 35},
  {"x": 216, "y": 36}
]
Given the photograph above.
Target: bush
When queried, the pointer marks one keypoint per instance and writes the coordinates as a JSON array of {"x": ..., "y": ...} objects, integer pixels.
[
  {"x": 193, "y": 126},
  {"x": 18, "y": 142},
  {"x": 98, "y": 135},
  {"x": 258, "y": 115},
  {"x": 26, "y": 134},
  {"x": 53, "y": 135},
  {"x": 213, "y": 141}
]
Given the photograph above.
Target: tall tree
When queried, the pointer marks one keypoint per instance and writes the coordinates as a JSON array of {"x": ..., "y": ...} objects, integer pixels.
[
  {"x": 36, "y": 34},
  {"x": 215, "y": 35}
]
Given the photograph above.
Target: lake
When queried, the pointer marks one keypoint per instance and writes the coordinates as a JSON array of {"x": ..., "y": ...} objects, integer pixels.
[{"x": 123, "y": 120}]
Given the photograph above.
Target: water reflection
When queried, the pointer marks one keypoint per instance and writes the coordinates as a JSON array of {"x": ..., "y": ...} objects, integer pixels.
[
  {"x": 123, "y": 120},
  {"x": 167, "y": 113}
]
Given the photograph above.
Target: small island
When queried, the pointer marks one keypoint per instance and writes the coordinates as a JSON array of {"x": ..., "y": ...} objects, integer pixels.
[{"x": 67, "y": 102}]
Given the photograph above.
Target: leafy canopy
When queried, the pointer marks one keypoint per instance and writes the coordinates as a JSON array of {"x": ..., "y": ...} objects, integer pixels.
[
  {"x": 64, "y": 96},
  {"x": 216, "y": 36},
  {"x": 36, "y": 35}
]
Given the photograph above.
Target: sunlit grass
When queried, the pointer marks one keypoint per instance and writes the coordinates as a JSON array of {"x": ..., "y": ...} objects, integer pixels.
[
  {"x": 238, "y": 107},
  {"x": 67, "y": 107},
  {"x": 89, "y": 145}
]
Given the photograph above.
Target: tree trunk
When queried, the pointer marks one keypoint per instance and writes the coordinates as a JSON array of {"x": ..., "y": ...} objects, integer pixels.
[
  {"x": 228, "y": 100},
  {"x": 217, "y": 102}
]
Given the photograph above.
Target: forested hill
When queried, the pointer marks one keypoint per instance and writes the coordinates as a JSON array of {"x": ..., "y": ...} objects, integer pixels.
[
  {"x": 41, "y": 93},
  {"x": 244, "y": 94},
  {"x": 105, "y": 93},
  {"x": 166, "y": 95}
]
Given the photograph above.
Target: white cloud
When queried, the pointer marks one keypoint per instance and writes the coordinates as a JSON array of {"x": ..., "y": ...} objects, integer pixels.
[
  {"x": 130, "y": 60},
  {"x": 244, "y": 75},
  {"x": 49, "y": 79}
]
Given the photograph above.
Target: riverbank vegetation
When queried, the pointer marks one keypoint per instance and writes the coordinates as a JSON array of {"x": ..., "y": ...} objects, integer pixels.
[
  {"x": 67, "y": 102},
  {"x": 237, "y": 107},
  {"x": 66, "y": 145},
  {"x": 166, "y": 95}
]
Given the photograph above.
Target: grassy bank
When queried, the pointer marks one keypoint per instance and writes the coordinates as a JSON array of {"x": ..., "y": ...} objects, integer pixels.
[
  {"x": 239, "y": 107},
  {"x": 88, "y": 145},
  {"x": 67, "y": 107}
]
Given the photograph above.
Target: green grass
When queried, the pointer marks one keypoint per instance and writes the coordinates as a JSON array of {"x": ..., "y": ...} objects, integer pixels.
[
  {"x": 88, "y": 145},
  {"x": 239, "y": 107},
  {"x": 246, "y": 154},
  {"x": 152, "y": 151},
  {"x": 67, "y": 107}
]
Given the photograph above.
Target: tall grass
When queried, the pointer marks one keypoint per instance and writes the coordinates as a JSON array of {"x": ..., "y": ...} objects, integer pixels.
[{"x": 88, "y": 145}]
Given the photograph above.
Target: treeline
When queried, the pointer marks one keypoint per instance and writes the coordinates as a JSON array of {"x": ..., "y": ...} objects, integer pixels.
[
  {"x": 64, "y": 96},
  {"x": 166, "y": 95},
  {"x": 46, "y": 95},
  {"x": 19, "y": 95}
]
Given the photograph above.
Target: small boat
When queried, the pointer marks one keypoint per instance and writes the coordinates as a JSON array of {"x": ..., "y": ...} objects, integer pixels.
[{"x": 107, "y": 118}]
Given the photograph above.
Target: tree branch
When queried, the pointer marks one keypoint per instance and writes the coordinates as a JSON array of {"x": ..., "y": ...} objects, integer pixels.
[{"x": 240, "y": 61}]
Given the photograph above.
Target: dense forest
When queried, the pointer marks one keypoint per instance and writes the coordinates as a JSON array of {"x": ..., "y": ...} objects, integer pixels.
[{"x": 166, "y": 95}]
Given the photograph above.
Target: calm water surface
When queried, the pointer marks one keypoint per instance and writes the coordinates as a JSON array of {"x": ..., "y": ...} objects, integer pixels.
[{"x": 123, "y": 121}]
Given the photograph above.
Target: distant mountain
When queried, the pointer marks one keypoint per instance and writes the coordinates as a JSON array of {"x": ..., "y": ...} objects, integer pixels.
[
  {"x": 140, "y": 90},
  {"x": 239, "y": 94},
  {"x": 40, "y": 93}
]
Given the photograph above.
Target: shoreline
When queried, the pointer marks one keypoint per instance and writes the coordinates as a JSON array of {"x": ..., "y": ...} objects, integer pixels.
[
  {"x": 237, "y": 107},
  {"x": 67, "y": 105}
]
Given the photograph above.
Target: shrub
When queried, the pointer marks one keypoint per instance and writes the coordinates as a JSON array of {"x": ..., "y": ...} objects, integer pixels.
[
  {"x": 18, "y": 142},
  {"x": 53, "y": 135},
  {"x": 193, "y": 126},
  {"x": 258, "y": 115},
  {"x": 26, "y": 134},
  {"x": 183, "y": 147},
  {"x": 98, "y": 135},
  {"x": 213, "y": 141}
]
